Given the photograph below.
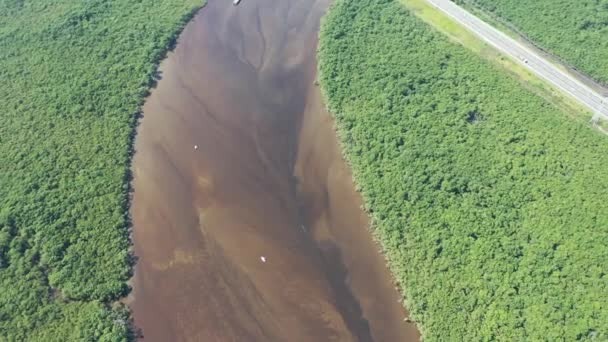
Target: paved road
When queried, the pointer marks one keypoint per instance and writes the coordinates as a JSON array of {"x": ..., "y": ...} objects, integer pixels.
[{"x": 526, "y": 57}]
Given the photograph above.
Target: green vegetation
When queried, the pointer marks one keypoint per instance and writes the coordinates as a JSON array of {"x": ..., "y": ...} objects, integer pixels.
[
  {"x": 456, "y": 32},
  {"x": 74, "y": 74},
  {"x": 488, "y": 200},
  {"x": 574, "y": 30}
]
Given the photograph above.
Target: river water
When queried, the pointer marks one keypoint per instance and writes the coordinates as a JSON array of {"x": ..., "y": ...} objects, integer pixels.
[{"x": 247, "y": 226}]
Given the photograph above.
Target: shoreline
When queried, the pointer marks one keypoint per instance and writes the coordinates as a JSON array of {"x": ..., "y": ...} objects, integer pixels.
[
  {"x": 204, "y": 217},
  {"x": 153, "y": 79}
]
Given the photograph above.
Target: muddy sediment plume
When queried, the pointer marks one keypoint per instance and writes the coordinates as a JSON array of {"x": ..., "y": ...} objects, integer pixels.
[
  {"x": 246, "y": 223},
  {"x": 332, "y": 209}
]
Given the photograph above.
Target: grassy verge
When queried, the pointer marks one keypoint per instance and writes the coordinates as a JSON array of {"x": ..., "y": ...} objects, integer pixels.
[
  {"x": 577, "y": 39},
  {"x": 459, "y": 34},
  {"x": 74, "y": 77},
  {"x": 512, "y": 31},
  {"x": 487, "y": 199}
]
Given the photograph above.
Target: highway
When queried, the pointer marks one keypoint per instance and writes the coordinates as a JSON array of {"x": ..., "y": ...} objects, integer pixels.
[{"x": 526, "y": 57}]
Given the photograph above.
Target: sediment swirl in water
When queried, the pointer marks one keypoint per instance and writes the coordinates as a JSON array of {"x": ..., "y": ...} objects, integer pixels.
[{"x": 246, "y": 223}]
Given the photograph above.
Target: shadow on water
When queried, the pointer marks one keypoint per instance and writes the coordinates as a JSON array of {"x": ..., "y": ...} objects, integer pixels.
[
  {"x": 247, "y": 226},
  {"x": 349, "y": 306}
]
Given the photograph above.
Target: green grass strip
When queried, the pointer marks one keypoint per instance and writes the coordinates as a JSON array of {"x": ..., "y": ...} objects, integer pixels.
[{"x": 574, "y": 30}]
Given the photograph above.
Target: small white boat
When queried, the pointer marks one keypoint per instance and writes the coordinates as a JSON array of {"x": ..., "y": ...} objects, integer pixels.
[{"x": 236, "y": 2}]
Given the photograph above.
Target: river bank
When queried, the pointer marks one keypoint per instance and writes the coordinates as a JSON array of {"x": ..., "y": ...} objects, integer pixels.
[{"x": 246, "y": 222}]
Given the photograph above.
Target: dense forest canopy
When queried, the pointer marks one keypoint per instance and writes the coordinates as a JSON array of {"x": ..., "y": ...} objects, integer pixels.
[
  {"x": 489, "y": 201},
  {"x": 574, "y": 30},
  {"x": 73, "y": 75}
]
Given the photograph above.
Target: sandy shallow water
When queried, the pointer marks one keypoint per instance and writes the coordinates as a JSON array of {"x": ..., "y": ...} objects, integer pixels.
[{"x": 236, "y": 159}]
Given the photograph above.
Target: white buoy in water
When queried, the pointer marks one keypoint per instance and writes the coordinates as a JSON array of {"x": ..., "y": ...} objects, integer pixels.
[
  {"x": 263, "y": 258},
  {"x": 196, "y": 147}
]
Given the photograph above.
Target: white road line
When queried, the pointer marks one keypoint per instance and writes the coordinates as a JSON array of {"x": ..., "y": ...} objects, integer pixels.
[{"x": 526, "y": 57}]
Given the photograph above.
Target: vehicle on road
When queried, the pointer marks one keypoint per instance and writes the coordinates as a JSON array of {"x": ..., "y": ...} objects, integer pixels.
[
  {"x": 535, "y": 62},
  {"x": 236, "y": 2}
]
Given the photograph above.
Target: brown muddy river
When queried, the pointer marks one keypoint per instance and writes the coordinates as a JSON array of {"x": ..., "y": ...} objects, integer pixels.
[{"x": 246, "y": 222}]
